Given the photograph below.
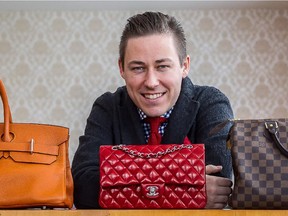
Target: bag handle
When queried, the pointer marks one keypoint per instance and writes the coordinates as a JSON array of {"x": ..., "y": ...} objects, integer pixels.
[
  {"x": 7, "y": 114},
  {"x": 273, "y": 128}
]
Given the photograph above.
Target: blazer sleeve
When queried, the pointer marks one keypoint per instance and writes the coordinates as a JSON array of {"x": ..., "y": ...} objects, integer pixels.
[
  {"x": 214, "y": 109},
  {"x": 85, "y": 165}
]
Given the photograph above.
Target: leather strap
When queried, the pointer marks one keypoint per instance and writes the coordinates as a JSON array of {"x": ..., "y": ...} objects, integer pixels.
[
  {"x": 30, "y": 148},
  {"x": 273, "y": 128},
  {"x": 7, "y": 113}
]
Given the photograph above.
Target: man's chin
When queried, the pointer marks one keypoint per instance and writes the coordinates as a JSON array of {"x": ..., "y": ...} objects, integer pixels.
[{"x": 153, "y": 112}]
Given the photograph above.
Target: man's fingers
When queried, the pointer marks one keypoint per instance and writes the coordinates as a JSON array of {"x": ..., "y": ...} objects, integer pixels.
[
  {"x": 224, "y": 190},
  {"x": 218, "y": 188},
  {"x": 210, "y": 169}
]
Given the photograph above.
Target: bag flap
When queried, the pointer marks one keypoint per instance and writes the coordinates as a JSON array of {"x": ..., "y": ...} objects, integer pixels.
[
  {"x": 181, "y": 167},
  {"x": 22, "y": 157},
  {"x": 34, "y": 143}
]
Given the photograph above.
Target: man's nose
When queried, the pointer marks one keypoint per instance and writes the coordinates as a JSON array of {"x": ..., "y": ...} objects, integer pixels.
[{"x": 151, "y": 79}]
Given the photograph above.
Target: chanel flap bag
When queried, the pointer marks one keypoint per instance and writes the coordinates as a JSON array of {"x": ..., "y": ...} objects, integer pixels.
[{"x": 152, "y": 176}]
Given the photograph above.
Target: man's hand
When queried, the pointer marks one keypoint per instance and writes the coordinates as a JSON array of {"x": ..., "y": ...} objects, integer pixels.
[{"x": 218, "y": 189}]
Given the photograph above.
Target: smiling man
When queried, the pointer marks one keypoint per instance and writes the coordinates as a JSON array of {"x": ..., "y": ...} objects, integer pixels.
[
  {"x": 154, "y": 64},
  {"x": 153, "y": 73}
]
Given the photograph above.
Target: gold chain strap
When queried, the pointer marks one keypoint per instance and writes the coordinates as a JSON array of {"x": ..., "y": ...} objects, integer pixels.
[{"x": 151, "y": 154}]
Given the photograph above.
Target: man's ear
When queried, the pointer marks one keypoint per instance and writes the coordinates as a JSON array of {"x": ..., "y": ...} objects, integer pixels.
[
  {"x": 121, "y": 69},
  {"x": 186, "y": 66}
]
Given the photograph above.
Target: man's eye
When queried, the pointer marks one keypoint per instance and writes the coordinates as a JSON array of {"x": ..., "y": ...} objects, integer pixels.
[
  {"x": 163, "y": 67},
  {"x": 137, "y": 69}
]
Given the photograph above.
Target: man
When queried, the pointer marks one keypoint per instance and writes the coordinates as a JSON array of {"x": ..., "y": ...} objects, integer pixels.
[{"x": 154, "y": 64}]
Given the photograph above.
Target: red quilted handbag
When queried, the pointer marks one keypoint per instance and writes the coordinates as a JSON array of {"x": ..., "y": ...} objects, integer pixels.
[{"x": 152, "y": 176}]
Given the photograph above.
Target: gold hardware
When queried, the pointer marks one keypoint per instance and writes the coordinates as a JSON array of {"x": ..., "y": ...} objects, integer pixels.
[{"x": 271, "y": 125}]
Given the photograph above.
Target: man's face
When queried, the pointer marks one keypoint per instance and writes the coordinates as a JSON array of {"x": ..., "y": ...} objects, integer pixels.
[{"x": 153, "y": 73}]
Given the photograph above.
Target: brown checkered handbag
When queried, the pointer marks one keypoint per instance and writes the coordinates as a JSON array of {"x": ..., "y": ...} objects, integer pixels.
[{"x": 260, "y": 162}]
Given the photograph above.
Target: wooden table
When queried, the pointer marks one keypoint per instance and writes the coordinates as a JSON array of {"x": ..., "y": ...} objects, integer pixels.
[{"x": 143, "y": 212}]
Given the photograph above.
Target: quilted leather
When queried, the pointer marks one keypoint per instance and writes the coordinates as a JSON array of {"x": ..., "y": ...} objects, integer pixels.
[{"x": 173, "y": 180}]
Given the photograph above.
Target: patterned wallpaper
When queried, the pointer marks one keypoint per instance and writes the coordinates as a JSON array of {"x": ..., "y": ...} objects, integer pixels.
[{"x": 55, "y": 63}]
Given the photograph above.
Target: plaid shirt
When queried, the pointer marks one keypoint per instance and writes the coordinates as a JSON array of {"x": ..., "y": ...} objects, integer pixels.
[{"x": 146, "y": 126}]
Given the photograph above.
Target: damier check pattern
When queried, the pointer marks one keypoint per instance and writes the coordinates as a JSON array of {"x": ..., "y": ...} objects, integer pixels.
[{"x": 260, "y": 170}]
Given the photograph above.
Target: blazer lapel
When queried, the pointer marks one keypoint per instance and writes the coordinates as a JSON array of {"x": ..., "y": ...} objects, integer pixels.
[
  {"x": 131, "y": 128},
  {"x": 180, "y": 123},
  {"x": 183, "y": 115}
]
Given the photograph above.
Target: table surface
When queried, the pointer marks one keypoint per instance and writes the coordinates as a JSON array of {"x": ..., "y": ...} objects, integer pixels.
[{"x": 145, "y": 212}]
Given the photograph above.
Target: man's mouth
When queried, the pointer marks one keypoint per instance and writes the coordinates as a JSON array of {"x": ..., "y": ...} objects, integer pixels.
[{"x": 153, "y": 96}]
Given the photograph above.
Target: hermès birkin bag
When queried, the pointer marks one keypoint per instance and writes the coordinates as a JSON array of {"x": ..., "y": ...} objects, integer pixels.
[
  {"x": 152, "y": 176},
  {"x": 260, "y": 162},
  {"x": 34, "y": 164}
]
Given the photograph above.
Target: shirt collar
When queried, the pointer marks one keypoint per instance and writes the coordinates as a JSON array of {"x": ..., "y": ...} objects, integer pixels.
[{"x": 165, "y": 115}]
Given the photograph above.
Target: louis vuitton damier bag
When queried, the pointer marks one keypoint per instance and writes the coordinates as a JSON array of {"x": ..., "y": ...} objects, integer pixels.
[{"x": 260, "y": 162}]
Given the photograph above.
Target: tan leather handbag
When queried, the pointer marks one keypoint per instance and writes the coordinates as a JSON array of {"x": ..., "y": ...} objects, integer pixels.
[{"x": 34, "y": 164}]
